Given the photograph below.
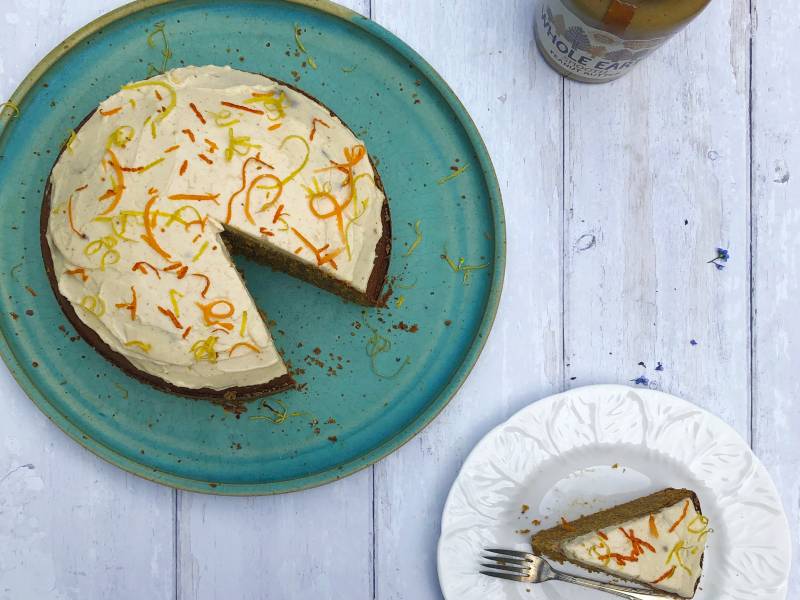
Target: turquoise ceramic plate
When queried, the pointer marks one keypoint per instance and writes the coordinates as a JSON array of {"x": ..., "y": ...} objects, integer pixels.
[{"x": 353, "y": 408}]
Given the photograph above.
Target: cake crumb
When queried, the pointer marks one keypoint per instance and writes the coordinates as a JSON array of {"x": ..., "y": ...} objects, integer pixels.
[
  {"x": 30, "y": 291},
  {"x": 536, "y": 522},
  {"x": 615, "y": 466},
  {"x": 333, "y": 438},
  {"x": 29, "y": 312},
  {"x": 14, "y": 315},
  {"x": 523, "y": 531},
  {"x": 317, "y": 351},
  {"x": 447, "y": 323},
  {"x": 525, "y": 508}
]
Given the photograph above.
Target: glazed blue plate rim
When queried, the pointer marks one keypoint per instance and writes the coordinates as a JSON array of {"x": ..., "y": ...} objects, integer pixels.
[{"x": 436, "y": 404}]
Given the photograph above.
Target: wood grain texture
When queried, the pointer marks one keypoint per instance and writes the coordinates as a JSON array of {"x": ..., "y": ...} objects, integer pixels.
[
  {"x": 71, "y": 526},
  {"x": 656, "y": 179},
  {"x": 776, "y": 248},
  {"x": 487, "y": 55}
]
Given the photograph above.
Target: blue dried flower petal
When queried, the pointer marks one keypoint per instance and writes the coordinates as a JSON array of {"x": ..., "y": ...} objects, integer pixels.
[
  {"x": 660, "y": 367},
  {"x": 642, "y": 380},
  {"x": 723, "y": 254},
  {"x": 719, "y": 266},
  {"x": 693, "y": 342}
]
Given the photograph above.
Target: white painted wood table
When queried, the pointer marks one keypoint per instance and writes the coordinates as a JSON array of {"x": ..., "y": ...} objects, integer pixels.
[{"x": 615, "y": 198}]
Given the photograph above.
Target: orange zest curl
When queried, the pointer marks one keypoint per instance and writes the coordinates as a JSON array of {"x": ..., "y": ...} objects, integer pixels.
[
  {"x": 130, "y": 306},
  {"x": 171, "y": 315},
  {"x": 72, "y": 222},
  {"x": 314, "y": 127},
  {"x": 352, "y": 157},
  {"x": 602, "y": 535},
  {"x": 255, "y": 111},
  {"x": 256, "y": 158},
  {"x": 180, "y": 269},
  {"x": 665, "y": 576},
  {"x": 118, "y": 184},
  {"x": 186, "y": 332},
  {"x": 215, "y": 318},
  {"x": 79, "y": 272},
  {"x": 653, "y": 528},
  {"x": 318, "y": 252},
  {"x": 277, "y": 216},
  {"x": 317, "y": 194},
  {"x": 278, "y": 184},
  {"x": 223, "y": 328},
  {"x": 205, "y": 159},
  {"x": 274, "y": 127},
  {"x": 189, "y": 133},
  {"x": 195, "y": 197},
  {"x": 565, "y": 525},
  {"x": 172, "y": 148},
  {"x": 149, "y": 236},
  {"x": 197, "y": 113},
  {"x": 207, "y": 280},
  {"x": 636, "y": 543},
  {"x": 265, "y": 231},
  {"x": 143, "y": 266},
  {"x": 682, "y": 517},
  {"x": 212, "y": 147},
  {"x": 113, "y": 111},
  {"x": 244, "y": 345},
  {"x": 184, "y": 166}
]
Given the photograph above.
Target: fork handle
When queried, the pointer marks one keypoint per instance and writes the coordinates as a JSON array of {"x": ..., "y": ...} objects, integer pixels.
[{"x": 617, "y": 590}]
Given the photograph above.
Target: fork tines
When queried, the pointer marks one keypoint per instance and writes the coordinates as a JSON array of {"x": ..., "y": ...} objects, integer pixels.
[{"x": 508, "y": 564}]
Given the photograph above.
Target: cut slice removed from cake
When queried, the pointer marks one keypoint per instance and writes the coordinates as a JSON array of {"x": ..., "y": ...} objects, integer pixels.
[
  {"x": 170, "y": 173},
  {"x": 657, "y": 541}
]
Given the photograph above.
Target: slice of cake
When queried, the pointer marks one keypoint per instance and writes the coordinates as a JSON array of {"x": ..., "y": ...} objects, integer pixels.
[
  {"x": 156, "y": 185},
  {"x": 658, "y": 541}
]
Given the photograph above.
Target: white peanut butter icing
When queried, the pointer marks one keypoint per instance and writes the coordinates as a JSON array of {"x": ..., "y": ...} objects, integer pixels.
[
  {"x": 142, "y": 192},
  {"x": 665, "y": 552}
]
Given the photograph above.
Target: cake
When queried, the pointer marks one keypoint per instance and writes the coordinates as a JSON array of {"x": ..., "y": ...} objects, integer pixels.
[
  {"x": 170, "y": 175},
  {"x": 658, "y": 541}
]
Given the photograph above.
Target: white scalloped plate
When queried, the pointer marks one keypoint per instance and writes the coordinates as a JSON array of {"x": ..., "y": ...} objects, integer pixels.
[{"x": 591, "y": 448}]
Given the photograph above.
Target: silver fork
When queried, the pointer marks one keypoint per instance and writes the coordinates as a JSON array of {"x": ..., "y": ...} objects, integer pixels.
[{"x": 529, "y": 568}]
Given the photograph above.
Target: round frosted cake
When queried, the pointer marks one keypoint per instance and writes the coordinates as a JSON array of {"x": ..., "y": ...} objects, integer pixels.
[{"x": 164, "y": 179}]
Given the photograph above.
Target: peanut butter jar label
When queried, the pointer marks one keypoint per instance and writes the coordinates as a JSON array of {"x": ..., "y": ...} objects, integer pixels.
[{"x": 583, "y": 52}]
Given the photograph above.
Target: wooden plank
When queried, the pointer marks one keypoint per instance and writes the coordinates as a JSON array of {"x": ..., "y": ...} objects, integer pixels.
[
  {"x": 70, "y": 524},
  {"x": 776, "y": 245},
  {"x": 313, "y": 544},
  {"x": 487, "y": 55},
  {"x": 656, "y": 179}
]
